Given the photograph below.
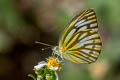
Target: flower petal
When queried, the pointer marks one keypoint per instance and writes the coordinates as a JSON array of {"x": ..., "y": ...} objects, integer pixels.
[{"x": 40, "y": 65}]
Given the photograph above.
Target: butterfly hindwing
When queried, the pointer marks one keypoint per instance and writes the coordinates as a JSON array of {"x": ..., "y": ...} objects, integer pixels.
[
  {"x": 85, "y": 49},
  {"x": 80, "y": 38}
]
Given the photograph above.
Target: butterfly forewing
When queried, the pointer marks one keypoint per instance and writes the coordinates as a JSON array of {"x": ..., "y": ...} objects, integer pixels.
[{"x": 80, "y": 38}]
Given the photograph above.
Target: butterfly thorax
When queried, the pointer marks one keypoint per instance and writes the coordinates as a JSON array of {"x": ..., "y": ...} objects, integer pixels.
[{"x": 63, "y": 49}]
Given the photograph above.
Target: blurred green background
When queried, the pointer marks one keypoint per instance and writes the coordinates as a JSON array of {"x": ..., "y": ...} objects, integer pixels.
[{"x": 22, "y": 22}]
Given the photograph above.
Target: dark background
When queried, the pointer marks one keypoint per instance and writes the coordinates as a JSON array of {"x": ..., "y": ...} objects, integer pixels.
[{"x": 22, "y": 22}]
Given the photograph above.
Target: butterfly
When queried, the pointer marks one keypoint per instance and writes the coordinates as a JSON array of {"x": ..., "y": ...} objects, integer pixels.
[{"x": 80, "y": 41}]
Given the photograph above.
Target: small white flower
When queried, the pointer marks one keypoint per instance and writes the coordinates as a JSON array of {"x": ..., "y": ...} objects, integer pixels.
[{"x": 52, "y": 64}]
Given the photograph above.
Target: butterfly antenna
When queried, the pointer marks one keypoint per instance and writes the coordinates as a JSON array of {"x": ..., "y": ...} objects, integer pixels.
[
  {"x": 43, "y": 44},
  {"x": 45, "y": 48}
]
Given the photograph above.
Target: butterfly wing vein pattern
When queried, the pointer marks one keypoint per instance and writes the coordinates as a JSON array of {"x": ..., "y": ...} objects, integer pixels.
[{"x": 81, "y": 38}]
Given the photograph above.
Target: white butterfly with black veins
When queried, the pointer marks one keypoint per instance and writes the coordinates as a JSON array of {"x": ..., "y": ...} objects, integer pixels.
[{"x": 80, "y": 41}]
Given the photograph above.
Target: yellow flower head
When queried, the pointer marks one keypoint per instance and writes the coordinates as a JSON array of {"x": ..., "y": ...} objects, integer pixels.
[{"x": 53, "y": 64}]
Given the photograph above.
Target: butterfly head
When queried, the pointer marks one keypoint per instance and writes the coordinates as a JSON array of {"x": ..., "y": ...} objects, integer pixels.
[
  {"x": 59, "y": 51},
  {"x": 56, "y": 50}
]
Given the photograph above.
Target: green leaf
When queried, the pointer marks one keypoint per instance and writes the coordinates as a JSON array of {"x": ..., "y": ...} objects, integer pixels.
[
  {"x": 30, "y": 75},
  {"x": 50, "y": 77}
]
